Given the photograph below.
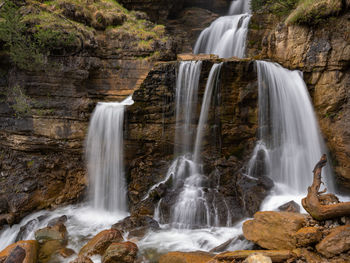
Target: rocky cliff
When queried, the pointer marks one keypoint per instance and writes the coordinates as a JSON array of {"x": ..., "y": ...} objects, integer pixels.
[
  {"x": 228, "y": 144},
  {"x": 322, "y": 53}
]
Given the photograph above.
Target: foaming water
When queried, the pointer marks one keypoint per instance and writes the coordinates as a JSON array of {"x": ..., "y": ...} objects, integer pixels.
[
  {"x": 186, "y": 240},
  {"x": 83, "y": 222},
  {"x": 104, "y": 151},
  {"x": 226, "y": 36}
]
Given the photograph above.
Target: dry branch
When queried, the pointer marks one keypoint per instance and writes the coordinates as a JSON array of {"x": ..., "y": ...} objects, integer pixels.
[{"x": 323, "y": 206}]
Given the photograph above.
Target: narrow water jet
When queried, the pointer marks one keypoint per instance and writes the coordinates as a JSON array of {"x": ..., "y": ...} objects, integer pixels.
[{"x": 104, "y": 154}]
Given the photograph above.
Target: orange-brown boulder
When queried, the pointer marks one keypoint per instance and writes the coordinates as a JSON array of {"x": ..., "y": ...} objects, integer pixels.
[
  {"x": 274, "y": 230},
  {"x": 307, "y": 236},
  {"x": 99, "y": 243},
  {"x": 125, "y": 252},
  {"x": 239, "y": 255},
  {"x": 186, "y": 257},
  {"x": 336, "y": 242},
  {"x": 30, "y": 254}
]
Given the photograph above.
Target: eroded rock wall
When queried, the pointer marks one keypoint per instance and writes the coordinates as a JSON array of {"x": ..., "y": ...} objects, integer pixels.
[
  {"x": 228, "y": 143},
  {"x": 322, "y": 53}
]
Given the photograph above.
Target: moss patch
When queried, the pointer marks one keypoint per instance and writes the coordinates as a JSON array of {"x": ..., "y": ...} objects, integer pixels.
[{"x": 313, "y": 12}]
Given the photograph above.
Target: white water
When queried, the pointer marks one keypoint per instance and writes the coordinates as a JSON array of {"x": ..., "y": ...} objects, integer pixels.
[
  {"x": 289, "y": 135},
  {"x": 186, "y": 104},
  {"x": 226, "y": 36},
  {"x": 104, "y": 151}
]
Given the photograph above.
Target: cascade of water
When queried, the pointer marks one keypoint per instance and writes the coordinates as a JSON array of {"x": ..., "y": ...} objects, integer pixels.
[
  {"x": 290, "y": 142},
  {"x": 104, "y": 151},
  {"x": 191, "y": 208},
  {"x": 239, "y": 7},
  {"x": 227, "y": 35}
]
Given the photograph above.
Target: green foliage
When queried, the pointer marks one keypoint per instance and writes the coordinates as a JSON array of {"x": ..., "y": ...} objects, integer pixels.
[
  {"x": 314, "y": 12},
  {"x": 277, "y": 7},
  {"x": 21, "y": 103},
  {"x": 22, "y": 50}
]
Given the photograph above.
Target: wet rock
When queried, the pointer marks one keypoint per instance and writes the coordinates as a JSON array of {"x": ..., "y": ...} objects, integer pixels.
[
  {"x": 338, "y": 241},
  {"x": 66, "y": 252},
  {"x": 258, "y": 258},
  {"x": 57, "y": 233},
  {"x": 99, "y": 243},
  {"x": 48, "y": 249},
  {"x": 183, "y": 257},
  {"x": 274, "y": 230},
  {"x": 307, "y": 236},
  {"x": 136, "y": 226},
  {"x": 28, "y": 248},
  {"x": 57, "y": 220},
  {"x": 26, "y": 229},
  {"x": 125, "y": 252},
  {"x": 274, "y": 255},
  {"x": 17, "y": 255},
  {"x": 224, "y": 246},
  {"x": 291, "y": 206},
  {"x": 82, "y": 259},
  {"x": 3, "y": 205}
]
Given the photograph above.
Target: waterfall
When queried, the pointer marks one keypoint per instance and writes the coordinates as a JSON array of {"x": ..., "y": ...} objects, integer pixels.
[
  {"x": 104, "y": 152},
  {"x": 226, "y": 36},
  {"x": 186, "y": 103},
  {"x": 290, "y": 142}
]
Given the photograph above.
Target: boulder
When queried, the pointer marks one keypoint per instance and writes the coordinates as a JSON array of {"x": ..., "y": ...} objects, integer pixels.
[
  {"x": 57, "y": 232},
  {"x": 308, "y": 236},
  {"x": 28, "y": 248},
  {"x": 257, "y": 258},
  {"x": 17, "y": 255},
  {"x": 183, "y": 257},
  {"x": 274, "y": 230},
  {"x": 99, "y": 243},
  {"x": 48, "y": 249},
  {"x": 125, "y": 252},
  {"x": 82, "y": 259},
  {"x": 66, "y": 252},
  {"x": 338, "y": 241},
  {"x": 136, "y": 226},
  {"x": 274, "y": 255},
  {"x": 57, "y": 220},
  {"x": 291, "y": 206}
]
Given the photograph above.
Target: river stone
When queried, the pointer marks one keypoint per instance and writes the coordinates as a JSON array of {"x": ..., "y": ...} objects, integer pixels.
[
  {"x": 17, "y": 255},
  {"x": 186, "y": 257},
  {"x": 291, "y": 206},
  {"x": 136, "y": 226},
  {"x": 99, "y": 243},
  {"x": 82, "y": 259},
  {"x": 238, "y": 255},
  {"x": 307, "y": 236},
  {"x": 338, "y": 241},
  {"x": 29, "y": 246},
  {"x": 57, "y": 232},
  {"x": 57, "y": 220},
  {"x": 125, "y": 252},
  {"x": 257, "y": 258},
  {"x": 274, "y": 230}
]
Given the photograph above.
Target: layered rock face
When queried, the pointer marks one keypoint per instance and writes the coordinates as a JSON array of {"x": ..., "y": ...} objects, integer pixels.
[
  {"x": 322, "y": 53},
  {"x": 228, "y": 143},
  {"x": 44, "y": 114}
]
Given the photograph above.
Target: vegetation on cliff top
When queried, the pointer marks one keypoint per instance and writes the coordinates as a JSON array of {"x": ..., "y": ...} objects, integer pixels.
[
  {"x": 32, "y": 31},
  {"x": 301, "y": 12}
]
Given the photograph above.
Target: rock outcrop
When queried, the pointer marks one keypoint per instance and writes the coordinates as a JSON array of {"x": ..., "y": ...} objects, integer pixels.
[
  {"x": 337, "y": 242},
  {"x": 274, "y": 230},
  {"x": 233, "y": 119},
  {"x": 322, "y": 53},
  {"x": 44, "y": 113}
]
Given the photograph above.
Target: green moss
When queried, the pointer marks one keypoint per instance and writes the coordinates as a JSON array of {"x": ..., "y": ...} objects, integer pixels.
[
  {"x": 277, "y": 7},
  {"x": 21, "y": 103},
  {"x": 313, "y": 12}
]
